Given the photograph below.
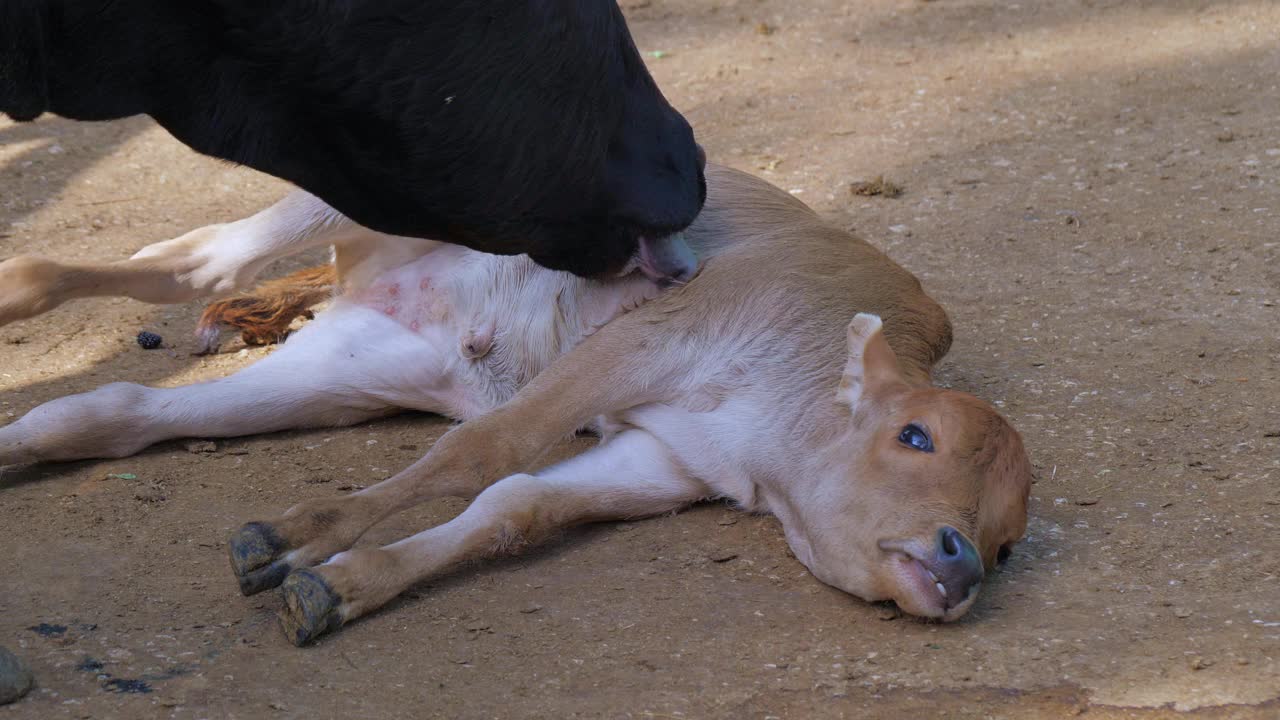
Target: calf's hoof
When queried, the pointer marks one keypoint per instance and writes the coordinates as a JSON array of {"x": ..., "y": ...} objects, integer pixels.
[
  {"x": 254, "y": 550},
  {"x": 310, "y": 607},
  {"x": 15, "y": 677}
]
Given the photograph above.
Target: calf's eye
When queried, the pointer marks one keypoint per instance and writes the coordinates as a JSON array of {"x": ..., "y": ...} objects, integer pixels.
[{"x": 914, "y": 437}]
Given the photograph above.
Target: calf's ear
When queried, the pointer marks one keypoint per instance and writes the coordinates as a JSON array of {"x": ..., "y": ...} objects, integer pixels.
[{"x": 871, "y": 362}]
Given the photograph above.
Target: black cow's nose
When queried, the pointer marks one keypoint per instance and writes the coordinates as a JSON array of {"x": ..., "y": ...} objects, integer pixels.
[
  {"x": 677, "y": 276},
  {"x": 956, "y": 564},
  {"x": 667, "y": 261}
]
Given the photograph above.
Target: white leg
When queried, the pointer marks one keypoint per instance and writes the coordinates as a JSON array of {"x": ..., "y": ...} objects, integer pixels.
[
  {"x": 633, "y": 475},
  {"x": 218, "y": 259},
  {"x": 349, "y": 365},
  {"x": 211, "y": 260}
]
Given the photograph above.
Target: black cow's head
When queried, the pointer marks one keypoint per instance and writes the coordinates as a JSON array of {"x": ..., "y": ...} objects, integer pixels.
[
  {"x": 653, "y": 188},
  {"x": 629, "y": 191},
  {"x": 508, "y": 126}
]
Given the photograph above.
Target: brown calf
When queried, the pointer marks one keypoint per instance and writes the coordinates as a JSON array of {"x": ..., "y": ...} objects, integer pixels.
[{"x": 792, "y": 376}]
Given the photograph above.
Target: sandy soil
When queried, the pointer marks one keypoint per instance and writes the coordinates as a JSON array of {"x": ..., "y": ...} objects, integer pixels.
[{"x": 1089, "y": 187}]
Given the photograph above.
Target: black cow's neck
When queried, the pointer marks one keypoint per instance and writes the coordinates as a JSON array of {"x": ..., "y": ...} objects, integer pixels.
[
  {"x": 24, "y": 92},
  {"x": 102, "y": 57}
]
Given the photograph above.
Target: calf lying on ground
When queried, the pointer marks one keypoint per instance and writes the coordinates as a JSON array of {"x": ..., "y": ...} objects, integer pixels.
[{"x": 751, "y": 383}]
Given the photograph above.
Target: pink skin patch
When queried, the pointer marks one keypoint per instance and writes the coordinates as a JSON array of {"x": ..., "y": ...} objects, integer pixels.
[{"x": 410, "y": 294}]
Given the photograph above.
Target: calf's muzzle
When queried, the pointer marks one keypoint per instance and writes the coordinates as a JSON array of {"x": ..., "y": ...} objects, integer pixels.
[{"x": 956, "y": 563}]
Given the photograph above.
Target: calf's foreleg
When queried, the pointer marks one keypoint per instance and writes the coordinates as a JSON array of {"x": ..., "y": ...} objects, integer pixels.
[
  {"x": 631, "y": 476},
  {"x": 624, "y": 364}
]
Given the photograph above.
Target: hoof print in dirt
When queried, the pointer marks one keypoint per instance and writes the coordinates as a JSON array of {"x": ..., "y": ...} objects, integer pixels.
[
  {"x": 15, "y": 677},
  {"x": 310, "y": 607},
  {"x": 253, "y": 551}
]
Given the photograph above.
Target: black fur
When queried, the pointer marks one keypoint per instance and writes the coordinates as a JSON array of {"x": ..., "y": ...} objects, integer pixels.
[{"x": 508, "y": 126}]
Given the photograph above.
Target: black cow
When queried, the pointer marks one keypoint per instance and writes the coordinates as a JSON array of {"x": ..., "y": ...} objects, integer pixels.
[{"x": 509, "y": 126}]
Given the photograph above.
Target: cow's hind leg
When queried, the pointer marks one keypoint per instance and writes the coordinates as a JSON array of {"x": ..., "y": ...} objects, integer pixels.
[
  {"x": 328, "y": 375},
  {"x": 631, "y": 476}
]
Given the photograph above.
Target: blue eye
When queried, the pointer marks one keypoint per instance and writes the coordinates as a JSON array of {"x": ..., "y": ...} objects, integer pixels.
[{"x": 914, "y": 437}]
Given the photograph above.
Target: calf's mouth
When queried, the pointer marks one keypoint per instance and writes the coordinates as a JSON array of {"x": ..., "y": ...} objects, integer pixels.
[{"x": 938, "y": 577}]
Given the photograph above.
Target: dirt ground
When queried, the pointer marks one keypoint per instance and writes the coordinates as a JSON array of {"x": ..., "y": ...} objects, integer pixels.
[{"x": 1089, "y": 187}]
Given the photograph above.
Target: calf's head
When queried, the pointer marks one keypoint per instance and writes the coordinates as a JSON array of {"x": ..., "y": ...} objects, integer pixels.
[{"x": 923, "y": 491}]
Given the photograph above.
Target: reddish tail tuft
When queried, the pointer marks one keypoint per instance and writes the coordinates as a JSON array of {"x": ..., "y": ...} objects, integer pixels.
[{"x": 263, "y": 314}]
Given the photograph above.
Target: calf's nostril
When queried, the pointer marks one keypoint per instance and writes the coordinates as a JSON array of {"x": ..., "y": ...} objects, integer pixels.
[
  {"x": 951, "y": 541},
  {"x": 956, "y": 564}
]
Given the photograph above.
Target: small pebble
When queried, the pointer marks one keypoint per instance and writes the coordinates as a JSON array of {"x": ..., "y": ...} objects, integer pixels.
[
  {"x": 15, "y": 677},
  {"x": 1087, "y": 501},
  {"x": 723, "y": 556},
  {"x": 530, "y": 609},
  {"x": 149, "y": 340}
]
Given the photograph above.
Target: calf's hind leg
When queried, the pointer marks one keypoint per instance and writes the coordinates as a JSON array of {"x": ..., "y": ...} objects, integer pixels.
[
  {"x": 206, "y": 261},
  {"x": 328, "y": 375},
  {"x": 631, "y": 476}
]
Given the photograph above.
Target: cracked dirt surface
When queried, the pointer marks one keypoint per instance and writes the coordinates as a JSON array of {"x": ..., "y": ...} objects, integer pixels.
[{"x": 1089, "y": 187}]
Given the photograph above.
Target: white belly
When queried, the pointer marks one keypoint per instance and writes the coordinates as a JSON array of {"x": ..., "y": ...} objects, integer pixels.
[
  {"x": 492, "y": 322},
  {"x": 720, "y": 447}
]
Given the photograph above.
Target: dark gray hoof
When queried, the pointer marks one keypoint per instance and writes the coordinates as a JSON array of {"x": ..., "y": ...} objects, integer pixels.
[
  {"x": 253, "y": 550},
  {"x": 264, "y": 579},
  {"x": 15, "y": 677},
  {"x": 310, "y": 607}
]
